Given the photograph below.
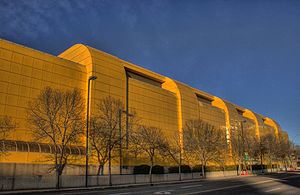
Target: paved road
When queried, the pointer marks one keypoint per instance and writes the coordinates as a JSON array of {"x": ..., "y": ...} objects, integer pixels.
[{"x": 287, "y": 183}]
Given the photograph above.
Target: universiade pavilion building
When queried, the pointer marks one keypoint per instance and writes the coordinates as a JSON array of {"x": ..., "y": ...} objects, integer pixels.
[{"x": 159, "y": 101}]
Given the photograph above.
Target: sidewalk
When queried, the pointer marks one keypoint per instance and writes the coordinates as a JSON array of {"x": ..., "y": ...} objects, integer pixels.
[
  {"x": 117, "y": 186},
  {"x": 96, "y": 187}
]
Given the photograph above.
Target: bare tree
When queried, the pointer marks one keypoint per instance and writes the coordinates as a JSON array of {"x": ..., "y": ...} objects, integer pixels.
[
  {"x": 203, "y": 140},
  {"x": 57, "y": 117},
  {"x": 7, "y": 125},
  {"x": 99, "y": 137},
  {"x": 284, "y": 151},
  {"x": 241, "y": 142},
  {"x": 260, "y": 150},
  {"x": 223, "y": 155},
  {"x": 149, "y": 141},
  {"x": 173, "y": 148},
  {"x": 105, "y": 132},
  {"x": 270, "y": 143},
  {"x": 251, "y": 148}
]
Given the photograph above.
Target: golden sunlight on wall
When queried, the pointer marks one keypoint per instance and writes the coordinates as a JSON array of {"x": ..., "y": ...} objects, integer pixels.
[
  {"x": 154, "y": 105},
  {"x": 24, "y": 73},
  {"x": 158, "y": 100}
]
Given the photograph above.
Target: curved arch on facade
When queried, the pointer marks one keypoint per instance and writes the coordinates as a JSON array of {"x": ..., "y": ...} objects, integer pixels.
[
  {"x": 273, "y": 124},
  {"x": 81, "y": 54},
  {"x": 219, "y": 103},
  {"x": 188, "y": 101},
  {"x": 249, "y": 114},
  {"x": 278, "y": 126},
  {"x": 171, "y": 85}
]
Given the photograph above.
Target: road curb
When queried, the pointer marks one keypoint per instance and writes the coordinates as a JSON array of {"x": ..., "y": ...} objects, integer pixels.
[
  {"x": 96, "y": 187},
  {"x": 33, "y": 191}
]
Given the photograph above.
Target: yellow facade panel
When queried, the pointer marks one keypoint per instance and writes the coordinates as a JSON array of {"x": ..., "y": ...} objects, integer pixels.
[
  {"x": 5, "y": 65},
  {"x": 26, "y": 81},
  {"x": 28, "y": 61},
  {"x": 12, "y": 100},
  {"x": 37, "y": 73},
  {"x": 38, "y": 64},
  {"x": 17, "y": 58},
  {"x": 26, "y": 71},
  {"x": 2, "y": 107},
  {"x": 16, "y": 68},
  {"x": 5, "y": 54},
  {"x": 14, "y": 79},
  {"x": 3, "y": 85},
  {"x": 24, "y": 91},
  {"x": 13, "y": 89},
  {"x": 3, "y": 97}
]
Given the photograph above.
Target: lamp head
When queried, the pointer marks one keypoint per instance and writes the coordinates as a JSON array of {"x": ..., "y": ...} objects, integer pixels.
[{"x": 92, "y": 78}]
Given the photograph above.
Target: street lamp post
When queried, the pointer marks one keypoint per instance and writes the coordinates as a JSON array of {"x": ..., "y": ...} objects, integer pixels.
[
  {"x": 242, "y": 142},
  {"x": 261, "y": 153},
  {"x": 91, "y": 78},
  {"x": 121, "y": 136}
]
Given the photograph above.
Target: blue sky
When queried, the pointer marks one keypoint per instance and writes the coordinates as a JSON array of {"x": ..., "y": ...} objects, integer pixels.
[{"x": 246, "y": 52}]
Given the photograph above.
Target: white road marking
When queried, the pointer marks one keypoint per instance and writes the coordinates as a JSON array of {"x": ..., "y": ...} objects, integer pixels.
[
  {"x": 273, "y": 189},
  {"x": 164, "y": 192},
  {"x": 229, "y": 187},
  {"x": 121, "y": 193},
  {"x": 193, "y": 186}
]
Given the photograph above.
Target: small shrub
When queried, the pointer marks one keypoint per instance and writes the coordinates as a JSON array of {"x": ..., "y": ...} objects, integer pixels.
[
  {"x": 212, "y": 168},
  {"x": 141, "y": 169},
  {"x": 157, "y": 169},
  {"x": 184, "y": 169},
  {"x": 231, "y": 168},
  {"x": 197, "y": 168},
  {"x": 173, "y": 169},
  {"x": 258, "y": 167}
]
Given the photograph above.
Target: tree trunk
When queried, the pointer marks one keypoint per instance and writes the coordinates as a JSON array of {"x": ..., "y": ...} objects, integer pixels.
[
  {"x": 179, "y": 168},
  {"x": 59, "y": 170},
  {"x": 240, "y": 168},
  {"x": 285, "y": 166},
  {"x": 179, "y": 171},
  {"x": 57, "y": 179},
  {"x": 100, "y": 169},
  {"x": 203, "y": 171},
  {"x": 261, "y": 163},
  {"x": 271, "y": 166},
  {"x": 150, "y": 171},
  {"x": 109, "y": 167},
  {"x": 56, "y": 169}
]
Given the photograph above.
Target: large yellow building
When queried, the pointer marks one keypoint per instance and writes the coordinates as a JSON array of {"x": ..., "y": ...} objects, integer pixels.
[{"x": 159, "y": 101}]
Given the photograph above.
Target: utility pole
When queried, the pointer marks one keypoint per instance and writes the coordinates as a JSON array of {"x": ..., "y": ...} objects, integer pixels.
[
  {"x": 261, "y": 156},
  {"x": 91, "y": 78},
  {"x": 120, "y": 141},
  {"x": 243, "y": 143},
  {"x": 127, "y": 110}
]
